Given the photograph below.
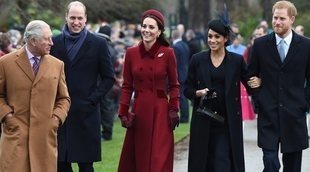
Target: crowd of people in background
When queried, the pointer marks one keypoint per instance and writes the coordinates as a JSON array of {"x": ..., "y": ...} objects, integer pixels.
[{"x": 186, "y": 43}]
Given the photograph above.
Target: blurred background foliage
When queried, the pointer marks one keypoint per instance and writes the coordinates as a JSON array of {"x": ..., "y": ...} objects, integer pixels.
[
  {"x": 193, "y": 14},
  {"x": 17, "y": 13}
]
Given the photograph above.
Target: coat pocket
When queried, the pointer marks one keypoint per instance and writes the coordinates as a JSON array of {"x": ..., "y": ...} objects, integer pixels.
[{"x": 9, "y": 143}]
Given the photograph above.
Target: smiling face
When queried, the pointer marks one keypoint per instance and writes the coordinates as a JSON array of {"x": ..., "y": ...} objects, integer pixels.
[
  {"x": 216, "y": 41},
  {"x": 150, "y": 31},
  {"x": 76, "y": 18},
  {"x": 282, "y": 22},
  {"x": 42, "y": 45}
]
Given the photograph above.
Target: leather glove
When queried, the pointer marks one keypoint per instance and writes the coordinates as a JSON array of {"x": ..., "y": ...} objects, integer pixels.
[
  {"x": 127, "y": 120},
  {"x": 124, "y": 120},
  {"x": 174, "y": 117}
]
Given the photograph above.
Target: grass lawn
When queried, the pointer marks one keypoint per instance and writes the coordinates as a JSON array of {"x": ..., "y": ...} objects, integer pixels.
[{"x": 111, "y": 149}]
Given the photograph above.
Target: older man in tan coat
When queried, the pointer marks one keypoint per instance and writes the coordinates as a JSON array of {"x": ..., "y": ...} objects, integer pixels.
[{"x": 34, "y": 101}]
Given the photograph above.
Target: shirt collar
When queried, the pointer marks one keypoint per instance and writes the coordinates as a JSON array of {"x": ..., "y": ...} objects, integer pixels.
[
  {"x": 30, "y": 55},
  {"x": 287, "y": 39},
  {"x": 177, "y": 40}
]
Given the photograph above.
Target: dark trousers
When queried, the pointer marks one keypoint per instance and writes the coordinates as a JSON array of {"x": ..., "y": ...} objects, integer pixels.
[
  {"x": 184, "y": 105},
  {"x": 107, "y": 110},
  {"x": 66, "y": 167},
  {"x": 291, "y": 161}
]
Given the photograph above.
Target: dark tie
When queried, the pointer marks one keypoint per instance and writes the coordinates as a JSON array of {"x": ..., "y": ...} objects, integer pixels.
[
  {"x": 35, "y": 65},
  {"x": 281, "y": 49}
]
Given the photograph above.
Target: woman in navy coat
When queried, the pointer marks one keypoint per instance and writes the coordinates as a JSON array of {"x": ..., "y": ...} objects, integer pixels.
[
  {"x": 150, "y": 72},
  {"x": 216, "y": 146}
]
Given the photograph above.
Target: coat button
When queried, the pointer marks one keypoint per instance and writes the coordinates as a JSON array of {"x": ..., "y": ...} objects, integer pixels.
[{"x": 141, "y": 68}]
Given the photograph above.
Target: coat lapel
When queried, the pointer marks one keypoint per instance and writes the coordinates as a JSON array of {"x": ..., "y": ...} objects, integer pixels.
[
  {"x": 272, "y": 46},
  {"x": 292, "y": 49},
  {"x": 230, "y": 72},
  {"x": 24, "y": 63},
  {"x": 206, "y": 67}
]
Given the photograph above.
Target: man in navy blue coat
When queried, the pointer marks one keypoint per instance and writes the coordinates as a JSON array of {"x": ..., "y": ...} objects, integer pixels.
[
  {"x": 283, "y": 98},
  {"x": 182, "y": 53},
  {"x": 86, "y": 57}
]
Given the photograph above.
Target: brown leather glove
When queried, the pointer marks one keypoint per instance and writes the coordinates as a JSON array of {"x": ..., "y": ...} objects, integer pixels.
[{"x": 174, "y": 117}]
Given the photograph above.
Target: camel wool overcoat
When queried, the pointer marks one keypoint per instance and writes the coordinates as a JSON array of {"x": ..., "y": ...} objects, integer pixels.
[{"x": 29, "y": 138}]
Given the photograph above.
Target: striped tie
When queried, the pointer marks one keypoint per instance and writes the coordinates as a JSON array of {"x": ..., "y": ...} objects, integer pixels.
[{"x": 35, "y": 65}]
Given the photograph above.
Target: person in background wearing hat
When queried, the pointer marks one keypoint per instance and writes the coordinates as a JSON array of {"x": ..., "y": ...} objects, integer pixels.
[
  {"x": 109, "y": 103},
  {"x": 216, "y": 146},
  {"x": 86, "y": 57},
  {"x": 150, "y": 72}
]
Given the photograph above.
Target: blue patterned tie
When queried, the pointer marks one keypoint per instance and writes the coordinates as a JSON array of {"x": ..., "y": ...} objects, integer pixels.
[{"x": 35, "y": 65}]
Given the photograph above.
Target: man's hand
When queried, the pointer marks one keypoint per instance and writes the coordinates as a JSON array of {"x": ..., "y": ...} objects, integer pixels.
[
  {"x": 254, "y": 82},
  {"x": 9, "y": 115}
]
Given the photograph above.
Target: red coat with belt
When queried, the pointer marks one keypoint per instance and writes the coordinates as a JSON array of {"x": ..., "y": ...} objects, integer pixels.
[{"x": 152, "y": 77}]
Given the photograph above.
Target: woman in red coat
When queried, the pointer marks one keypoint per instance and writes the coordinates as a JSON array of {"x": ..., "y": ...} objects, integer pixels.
[{"x": 150, "y": 72}]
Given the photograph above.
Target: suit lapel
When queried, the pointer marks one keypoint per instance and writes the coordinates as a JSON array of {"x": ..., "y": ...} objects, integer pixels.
[{"x": 24, "y": 63}]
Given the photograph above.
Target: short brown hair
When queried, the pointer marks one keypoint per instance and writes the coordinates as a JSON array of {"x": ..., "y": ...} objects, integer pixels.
[
  {"x": 4, "y": 41},
  {"x": 291, "y": 9}
]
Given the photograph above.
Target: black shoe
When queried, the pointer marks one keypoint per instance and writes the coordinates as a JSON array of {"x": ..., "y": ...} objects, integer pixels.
[{"x": 106, "y": 136}]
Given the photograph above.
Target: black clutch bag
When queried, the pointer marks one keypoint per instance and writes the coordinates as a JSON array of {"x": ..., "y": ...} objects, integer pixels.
[{"x": 209, "y": 105}]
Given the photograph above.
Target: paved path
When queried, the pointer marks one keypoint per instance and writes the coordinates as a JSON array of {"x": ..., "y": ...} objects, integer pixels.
[{"x": 253, "y": 155}]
